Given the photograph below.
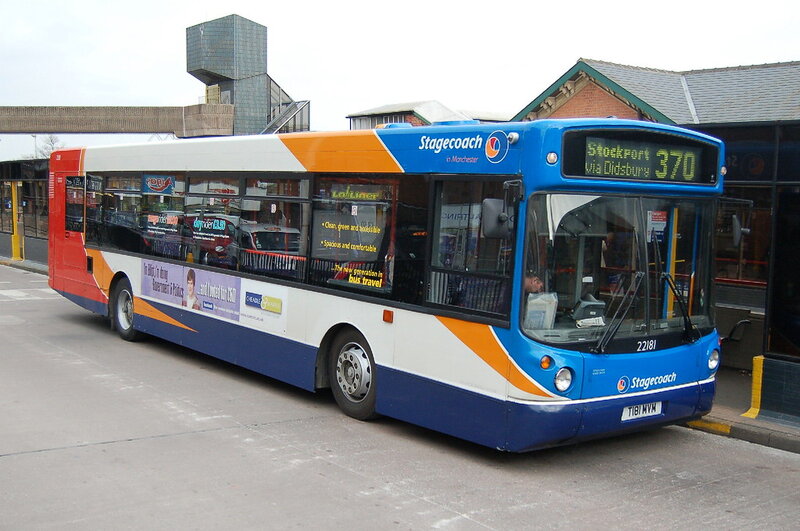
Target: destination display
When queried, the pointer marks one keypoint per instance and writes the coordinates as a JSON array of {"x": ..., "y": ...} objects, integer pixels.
[{"x": 639, "y": 158}]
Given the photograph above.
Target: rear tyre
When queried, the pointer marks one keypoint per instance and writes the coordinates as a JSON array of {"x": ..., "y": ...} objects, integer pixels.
[
  {"x": 351, "y": 369},
  {"x": 122, "y": 311}
]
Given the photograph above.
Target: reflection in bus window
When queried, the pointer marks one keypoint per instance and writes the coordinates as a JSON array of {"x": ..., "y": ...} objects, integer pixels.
[
  {"x": 468, "y": 270},
  {"x": 213, "y": 222},
  {"x": 74, "y": 206},
  {"x": 164, "y": 232},
  {"x": 607, "y": 257},
  {"x": 121, "y": 210},
  {"x": 272, "y": 238}
]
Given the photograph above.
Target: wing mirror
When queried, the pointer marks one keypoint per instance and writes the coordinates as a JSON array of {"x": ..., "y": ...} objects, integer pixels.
[
  {"x": 737, "y": 332},
  {"x": 738, "y": 231}
]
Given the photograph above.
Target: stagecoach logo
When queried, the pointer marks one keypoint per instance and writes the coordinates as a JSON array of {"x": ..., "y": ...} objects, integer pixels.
[
  {"x": 645, "y": 383},
  {"x": 496, "y": 147},
  {"x": 157, "y": 184}
]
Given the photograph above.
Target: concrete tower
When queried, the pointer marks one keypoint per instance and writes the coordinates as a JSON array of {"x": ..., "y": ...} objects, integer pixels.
[{"x": 229, "y": 55}]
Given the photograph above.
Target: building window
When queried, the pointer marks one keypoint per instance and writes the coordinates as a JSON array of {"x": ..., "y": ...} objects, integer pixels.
[
  {"x": 34, "y": 208},
  {"x": 5, "y": 207},
  {"x": 747, "y": 264},
  {"x": 749, "y": 152},
  {"x": 789, "y": 154},
  {"x": 371, "y": 122}
]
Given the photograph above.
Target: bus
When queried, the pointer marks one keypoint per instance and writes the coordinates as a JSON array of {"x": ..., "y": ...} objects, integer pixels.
[{"x": 518, "y": 285}]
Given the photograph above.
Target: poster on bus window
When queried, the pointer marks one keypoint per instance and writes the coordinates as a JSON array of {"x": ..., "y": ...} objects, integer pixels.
[
  {"x": 349, "y": 236},
  {"x": 656, "y": 224}
]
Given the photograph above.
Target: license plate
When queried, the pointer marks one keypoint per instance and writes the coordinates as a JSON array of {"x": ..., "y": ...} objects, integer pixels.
[{"x": 641, "y": 410}]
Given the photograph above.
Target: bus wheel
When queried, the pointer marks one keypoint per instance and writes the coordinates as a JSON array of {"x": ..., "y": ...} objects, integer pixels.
[
  {"x": 122, "y": 307},
  {"x": 352, "y": 374}
]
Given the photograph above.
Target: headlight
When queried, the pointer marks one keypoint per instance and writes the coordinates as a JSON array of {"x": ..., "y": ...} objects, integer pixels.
[
  {"x": 563, "y": 379},
  {"x": 713, "y": 360}
]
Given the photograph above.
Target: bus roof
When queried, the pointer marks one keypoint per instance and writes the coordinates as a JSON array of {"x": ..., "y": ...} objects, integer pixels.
[{"x": 458, "y": 148}]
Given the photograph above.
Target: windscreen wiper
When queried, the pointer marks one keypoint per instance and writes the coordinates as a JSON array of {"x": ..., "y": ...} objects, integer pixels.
[
  {"x": 690, "y": 332},
  {"x": 616, "y": 321}
]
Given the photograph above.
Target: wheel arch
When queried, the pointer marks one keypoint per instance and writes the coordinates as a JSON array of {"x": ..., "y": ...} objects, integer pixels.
[{"x": 321, "y": 380}]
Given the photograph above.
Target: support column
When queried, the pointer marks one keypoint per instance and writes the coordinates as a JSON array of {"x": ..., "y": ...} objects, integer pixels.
[{"x": 17, "y": 227}]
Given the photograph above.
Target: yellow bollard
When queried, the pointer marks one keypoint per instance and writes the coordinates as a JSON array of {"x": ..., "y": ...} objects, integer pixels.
[{"x": 17, "y": 236}]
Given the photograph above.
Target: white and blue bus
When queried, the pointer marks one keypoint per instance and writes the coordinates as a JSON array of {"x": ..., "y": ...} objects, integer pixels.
[{"x": 519, "y": 285}]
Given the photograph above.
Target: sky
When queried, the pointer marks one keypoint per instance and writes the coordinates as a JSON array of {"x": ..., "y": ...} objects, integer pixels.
[{"x": 347, "y": 56}]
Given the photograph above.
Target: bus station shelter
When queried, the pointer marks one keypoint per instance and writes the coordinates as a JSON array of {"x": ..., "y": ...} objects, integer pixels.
[{"x": 25, "y": 180}]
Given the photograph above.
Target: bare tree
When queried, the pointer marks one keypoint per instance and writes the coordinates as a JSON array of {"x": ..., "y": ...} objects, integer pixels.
[{"x": 49, "y": 144}]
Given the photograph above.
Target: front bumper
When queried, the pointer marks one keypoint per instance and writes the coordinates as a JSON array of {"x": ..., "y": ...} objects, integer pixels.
[{"x": 541, "y": 425}]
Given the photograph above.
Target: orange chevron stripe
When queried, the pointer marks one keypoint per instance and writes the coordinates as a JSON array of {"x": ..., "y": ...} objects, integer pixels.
[
  {"x": 142, "y": 307},
  {"x": 350, "y": 151},
  {"x": 480, "y": 339},
  {"x": 101, "y": 271},
  {"x": 103, "y": 275}
]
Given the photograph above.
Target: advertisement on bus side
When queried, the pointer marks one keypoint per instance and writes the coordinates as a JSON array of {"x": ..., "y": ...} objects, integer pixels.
[{"x": 253, "y": 304}]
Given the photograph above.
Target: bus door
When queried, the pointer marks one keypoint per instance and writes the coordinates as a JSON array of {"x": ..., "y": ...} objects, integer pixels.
[{"x": 673, "y": 236}]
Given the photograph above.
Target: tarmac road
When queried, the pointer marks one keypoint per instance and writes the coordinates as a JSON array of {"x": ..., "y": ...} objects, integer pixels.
[{"x": 98, "y": 433}]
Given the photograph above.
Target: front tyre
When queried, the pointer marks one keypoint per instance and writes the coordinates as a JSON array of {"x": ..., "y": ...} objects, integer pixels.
[
  {"x": 351, "y": 369},
  {"x": 122, "y": 311}
]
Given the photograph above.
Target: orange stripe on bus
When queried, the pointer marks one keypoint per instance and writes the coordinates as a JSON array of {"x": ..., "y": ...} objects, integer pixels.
[
  {"x": 355, "y": 151},
  {"x": 101, "y": 271},
  {"x": 480, "y": 339},
  {"x": 142, "y": 307},
  {"x": 103, "y": 275}
]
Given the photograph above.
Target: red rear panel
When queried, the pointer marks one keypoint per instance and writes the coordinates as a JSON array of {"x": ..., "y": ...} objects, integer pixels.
[{"x": 68, "y": 264}]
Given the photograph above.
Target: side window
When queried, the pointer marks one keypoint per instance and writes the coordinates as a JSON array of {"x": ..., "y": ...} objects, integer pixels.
[
  {"x": 74, "y": 206},
  {"x": 121, "y": 211},
  {"x": 211, "y": 220},
  {"x": 164, "y": 232},
  {"x": 468, "y": 270},
  {"x": 94, "y": 208},
  {"x": 411, "y": 239},
  {"x": 213, "y": 231},
  {"x": 353, "y": 234},
  {"x": 272, "y": 238}
]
